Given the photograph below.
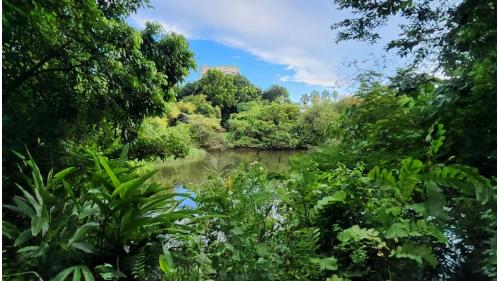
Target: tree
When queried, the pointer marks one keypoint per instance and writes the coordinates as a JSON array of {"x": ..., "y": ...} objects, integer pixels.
[
  {"x": 223, "y": 90},
  {"x": 459, "y": 39},
  {"x": 169, "y": 51},
  {"x": 267, "y": 125},
  {"x": 275, "y": 93},
  {"x": 220, "y": 91},
  {"x": 246, "y": 90},
  {"x": 70, "y": 67}
]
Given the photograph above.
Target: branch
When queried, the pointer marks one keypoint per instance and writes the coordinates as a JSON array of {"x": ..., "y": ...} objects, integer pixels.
[{"x": 33, "y": 71}]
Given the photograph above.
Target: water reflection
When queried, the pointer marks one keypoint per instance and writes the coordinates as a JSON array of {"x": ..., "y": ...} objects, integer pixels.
[{"x": 181, "y": 174}]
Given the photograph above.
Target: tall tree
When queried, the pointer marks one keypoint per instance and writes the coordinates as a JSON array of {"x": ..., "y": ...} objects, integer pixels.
[
  {"x": 459, "y": 39},
  {"x": 275, "y": 93},
  {"x": 223, "y": 90},
  {"x": 170, "y": 52},
  {"x": 69, "y": 66}
]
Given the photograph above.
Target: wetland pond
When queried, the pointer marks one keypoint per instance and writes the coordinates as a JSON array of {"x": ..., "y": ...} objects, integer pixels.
[{"x": 181, "y": 174}]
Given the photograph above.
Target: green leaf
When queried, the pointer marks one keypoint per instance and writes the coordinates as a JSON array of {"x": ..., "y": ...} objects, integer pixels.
[
  {"x": 111, "y": 175},
  {"x": 21, "y": 207},
  {"x": 23, "y": 237},
  {"x": 338, "y": 196},
  {"x": 132, "y": 184},
  {"x": 80, "y": 231},
  {"x": 356, "y": 233},
  {"x": 165, "y": 265},
  {"x": 428, "y": 228},
  {"x": 417, "y": 253},
  {"x": 237, "y": 231},
  {"x": 328, "y": 264},
  {"x": 36, "y": 205},
  {"x": 84, "y": 246},
  {"x": 9, "y": 230},
  {"x": 124, "y": 153},
  {"x": 87, "y": 274},
  {"x": 397, "y": 230},
  {"x": 436, "y": 137},
  {"x": 77, "y": 274},
  {"x": 434, "y": 200},
  {"x": 61, "y": 276},
  {"x": 28, "y": 249},
  {"x": 62, "y": 174},
  {"x": 39, "y": 224},
  {"x": 409, "y": 176},
  {"x": 19, "y": 155}
]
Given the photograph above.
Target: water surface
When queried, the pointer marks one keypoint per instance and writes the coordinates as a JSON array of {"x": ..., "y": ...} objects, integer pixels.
[{"x": 181, "y": 173}]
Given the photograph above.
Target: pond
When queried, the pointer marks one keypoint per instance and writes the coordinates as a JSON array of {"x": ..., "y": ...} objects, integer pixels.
[{"x": 186, "y": 173}]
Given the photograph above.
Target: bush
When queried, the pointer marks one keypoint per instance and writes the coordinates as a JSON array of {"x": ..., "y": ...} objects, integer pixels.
[
  {"x": 171, "y": 111},
  {"x": 207, "y": 132},
  {"x": 93, "y": 222},
  {"x": 177, "y": 143},
  {"x": 315, "y": 124},
  {"x": 156, "y": 139},
  {"x": 203, "y": 107},
  {"x": 267, "y": 125},
  {"x": 186, "y": 107}
]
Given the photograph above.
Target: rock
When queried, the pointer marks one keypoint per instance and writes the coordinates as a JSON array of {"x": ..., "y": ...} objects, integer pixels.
[{"x": 183, "y": 117}]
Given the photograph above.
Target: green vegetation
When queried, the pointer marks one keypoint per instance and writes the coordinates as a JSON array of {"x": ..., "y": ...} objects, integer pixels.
[
  {"x": 223, "y": 91},
  {"x": 402, "y": 185}
]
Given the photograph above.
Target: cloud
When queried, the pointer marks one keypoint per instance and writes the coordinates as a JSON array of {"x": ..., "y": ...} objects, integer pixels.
[
  {"x": 284, "y": 78},
  {"x": 141, "y": 21},
  {"x": 295, "y": 34}
]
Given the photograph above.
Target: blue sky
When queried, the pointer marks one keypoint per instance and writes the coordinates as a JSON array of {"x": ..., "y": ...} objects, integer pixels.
[{"x": 285, "y": 42}]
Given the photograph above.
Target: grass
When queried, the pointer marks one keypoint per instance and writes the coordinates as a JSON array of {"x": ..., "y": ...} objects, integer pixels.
[{"x": 144, "y": 166}]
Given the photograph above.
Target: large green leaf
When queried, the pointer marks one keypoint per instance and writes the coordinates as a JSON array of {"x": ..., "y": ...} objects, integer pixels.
[
  {"x": 109, "y": 172},
  {"x": 23, "y": 237},
  {"x": 124, "y": 187},
  {"x": 80, "y": 231},
  {"x": 326, "y": 263},
  {"x": 84, "y": 246},
  {"x": 62, "y": 174},
  {"x": 398, "y": 230},
  {"x": 417, "y": 253},
  {"x": 39, "y": 224},
  {"x": 336, "y": 197},
  {"x": 355, "y": 233},
  {"x": 87, "y": 274}
]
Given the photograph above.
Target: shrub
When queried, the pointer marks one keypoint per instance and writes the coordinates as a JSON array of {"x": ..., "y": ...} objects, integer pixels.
[
  {"x": 171, "y": 111},
  {"x": 207, "y": 132},
  {"x": 156, "y": 139},
  {"x": 186, "y": 107},
  {"x": 268, "y": 125},
  {"x": 203, "y": 107},
  {"x": 177, "y": 143},
  {"x": 103, "y": 220}
]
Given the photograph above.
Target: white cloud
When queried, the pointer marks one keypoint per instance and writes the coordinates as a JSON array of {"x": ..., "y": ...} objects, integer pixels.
[
  {"x": 295, "y": 34},
  {"x": 284, "y": 78},
  {"x": 141, "y": 20}
]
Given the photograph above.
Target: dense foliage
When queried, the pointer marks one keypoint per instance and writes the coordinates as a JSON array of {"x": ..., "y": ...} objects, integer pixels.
[
  {"x": 276, "y": 93},
  {"x": 73, "y": 68},
  {"x": 98, "y": 223},
  {"x": 279, "y": 125},
  {"x": 401, "y": 186},
  {"x": 225, "y": 91}
]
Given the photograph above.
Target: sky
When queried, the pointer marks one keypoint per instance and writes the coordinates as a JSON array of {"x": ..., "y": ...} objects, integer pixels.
[{"x": 284, "y": 42}]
